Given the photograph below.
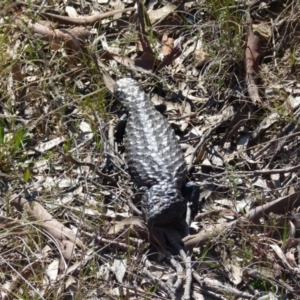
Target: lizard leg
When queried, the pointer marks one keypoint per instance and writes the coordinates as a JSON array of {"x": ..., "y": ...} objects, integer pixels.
[
  {"x": 120, "y": 128},
  {"x": 191, "y": 194}
]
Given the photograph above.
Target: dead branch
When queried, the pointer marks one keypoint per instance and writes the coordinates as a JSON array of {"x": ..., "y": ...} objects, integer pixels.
[
  {"x": 278, "y": 206},
  {"x": 92, "y": 166},
  {"x": 268, "y": 172},
  {"x": 218, "y": 287},
  {"x": 88, "y": 20}
]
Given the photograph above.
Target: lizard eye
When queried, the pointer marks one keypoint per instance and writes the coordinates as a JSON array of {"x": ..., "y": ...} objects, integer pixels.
[{"x": 171, "y": 194}]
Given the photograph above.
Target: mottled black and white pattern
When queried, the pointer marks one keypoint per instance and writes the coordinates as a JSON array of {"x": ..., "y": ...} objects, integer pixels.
[{"x": 154, "y": 157}]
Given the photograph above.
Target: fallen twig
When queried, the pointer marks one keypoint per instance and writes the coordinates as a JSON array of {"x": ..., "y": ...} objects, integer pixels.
[
  {"x": 92, "y": 166},
  {"x": 186, "y": 257},
  {"x": 217, "y": 286},
  {"x": 268, "y": 172},
  {"x": 88, "y": 20},
  {"x": 168, "y": 290},
  {"x": 179, "y": 270},
  {"x": 283, "y": 204}
]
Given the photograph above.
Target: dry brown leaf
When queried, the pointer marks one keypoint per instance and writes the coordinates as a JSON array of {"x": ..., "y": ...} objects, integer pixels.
[
  {"x": 235, "y": 273},
  {"x": 290, "y": 256},
  {"x": 52, "y": 270},
  {"x": 67, "y": 249},
  {"x": 214, "y": 157},
  {"x": 117, "y": 5},
  {"x": 188, "y": 154},
  {"x": 109, "y": 82},
  {"x": 145, "y": 62},
  {"x": 158, "y": 14},
  {"x": 264, "y": 30},
  {"x": 281, "y": 256},
  {"x": 50, "y": 144},
  {"x": 169, "y": 58},
  {"x": 252, "y": 67},
  {"x": 186, "y": 112},
  {"x": 124, "y": 60},
  {"x": 57, "y": 38},
  {"x": 17, "y": 72},
  {"x": 167, "y": 45},
  {"x": 200, "y": 58},
  {"x": 119, "y": 268},
  {"x": 71, "y": 11},
  {"x": 45, "y": 220}
]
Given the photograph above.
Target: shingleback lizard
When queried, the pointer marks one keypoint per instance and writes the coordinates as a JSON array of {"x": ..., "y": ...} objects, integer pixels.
[{"x": 154, "y": 157}]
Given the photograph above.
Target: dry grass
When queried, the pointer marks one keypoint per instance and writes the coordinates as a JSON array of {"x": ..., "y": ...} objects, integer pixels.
[{"x": 66, "y": 231}]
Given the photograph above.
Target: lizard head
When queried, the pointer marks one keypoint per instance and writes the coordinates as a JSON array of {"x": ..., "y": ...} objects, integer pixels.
[
  {"x": 128, "y": 91},
  {"x": 163, "y": 203}
]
